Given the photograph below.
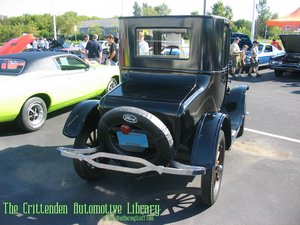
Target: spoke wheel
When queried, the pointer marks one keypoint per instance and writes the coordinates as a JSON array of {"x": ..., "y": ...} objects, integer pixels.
[
  {"x": 33, "y": 114},
  {"x": 87, "y": 139},
  {"x": 111, "y": 85},
  {"x": 211, "y": 181}
]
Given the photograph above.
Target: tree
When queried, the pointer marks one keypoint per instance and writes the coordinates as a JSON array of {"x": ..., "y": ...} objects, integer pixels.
[
  {"x": 273, "y": 32},
  {"x": 66, "y": 22},
  {"x": 137, "y": 10},
  {"x": 264, "y": 14},
  {"x": 195, "y": 13},
  {"x": 220, "y": 9},
  {"x": 95, "y": 29},
  {"x": 162, "y": 10},
  {"x": 242, "y": 26},
  {"x": 148, "y": 10}
]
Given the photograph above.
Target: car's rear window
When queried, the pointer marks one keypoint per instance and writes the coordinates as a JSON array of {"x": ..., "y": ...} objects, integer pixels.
[
  {"x": 163, "y": 42},
  {"x": 11, "y": 66}
]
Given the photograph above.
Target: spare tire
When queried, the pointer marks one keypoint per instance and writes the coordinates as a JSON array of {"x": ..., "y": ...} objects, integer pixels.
[{"x": 158, "y": 148}]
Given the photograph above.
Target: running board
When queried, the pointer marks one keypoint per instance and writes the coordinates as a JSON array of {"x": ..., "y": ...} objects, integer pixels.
[{"x": 146, "y": 166}]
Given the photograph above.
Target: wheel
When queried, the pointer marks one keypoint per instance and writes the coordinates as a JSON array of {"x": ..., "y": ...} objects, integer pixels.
[
  {"x": 111, "y": 85},
  {"x": 88, "y": 138},
  {"x": 147, "y": 136},
  {"x": 278, "y": 73},
  {"x": 211, "y": 181},
  {"x": 33, "y": 114}
]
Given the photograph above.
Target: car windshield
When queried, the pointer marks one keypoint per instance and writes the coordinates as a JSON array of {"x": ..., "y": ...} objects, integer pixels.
[
  {"x": 163, "y": 42},
  {"x": 11, "y": 67}
]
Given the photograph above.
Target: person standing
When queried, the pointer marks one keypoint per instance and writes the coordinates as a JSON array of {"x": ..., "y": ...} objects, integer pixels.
[
  {"x": 143, "y": 45},
  {"x": 254, "y": 60},
  {"x": 46, "y": 47},
  {"x": 235, "y": 53},
  {"x": 243, "y": 59},
  {"x": 35, "y": 45},
  {"x": 82, "y": 46},
  {"x": 93, "y": 50},
  {"x": 275, "y": 43},
  {"x": 112, "y": 55}
]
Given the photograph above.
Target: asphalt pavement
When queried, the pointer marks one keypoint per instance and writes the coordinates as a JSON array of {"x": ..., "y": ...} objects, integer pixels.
[{"x": 260, "y": 185}]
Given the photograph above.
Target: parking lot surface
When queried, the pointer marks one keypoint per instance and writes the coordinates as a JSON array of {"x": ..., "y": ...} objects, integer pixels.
[{"x": 260, "y": 184}]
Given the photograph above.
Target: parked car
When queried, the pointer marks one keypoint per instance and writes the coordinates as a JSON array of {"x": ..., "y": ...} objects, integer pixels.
[
  {"x": 35, "y": 83},
  {"x": 265, "y": 52},
  {"x": 61, "y": 45},
  {"x": 290, "y": 61},
  {"x": 16, "y": 45},
  {"x": 244, "y": 39},
  {"x": 173, "y": 115}
]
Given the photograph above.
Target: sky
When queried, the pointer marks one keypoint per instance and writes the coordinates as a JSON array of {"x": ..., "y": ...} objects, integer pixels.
[{"x": 242, "y": 9}]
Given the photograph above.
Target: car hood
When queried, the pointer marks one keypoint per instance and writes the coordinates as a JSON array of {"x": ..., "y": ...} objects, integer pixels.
[
  {"x": 16, "y": 45},
  {"x": 291, "y": 43}
]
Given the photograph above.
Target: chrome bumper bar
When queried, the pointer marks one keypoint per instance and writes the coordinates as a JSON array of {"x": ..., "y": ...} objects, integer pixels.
[{"x": 146, "y": 166}]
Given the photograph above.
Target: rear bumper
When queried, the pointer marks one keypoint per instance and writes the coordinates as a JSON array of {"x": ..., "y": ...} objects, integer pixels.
[{"x": 90, "y": 154}]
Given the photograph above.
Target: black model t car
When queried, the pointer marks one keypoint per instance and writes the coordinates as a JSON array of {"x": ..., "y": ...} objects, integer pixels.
[
  {"x": 172, "y": 113},
  {"x": 290, "y": 61}
]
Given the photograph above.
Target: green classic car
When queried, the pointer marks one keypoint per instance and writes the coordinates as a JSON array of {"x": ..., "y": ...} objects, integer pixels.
[{"x": 35, "y": 83}]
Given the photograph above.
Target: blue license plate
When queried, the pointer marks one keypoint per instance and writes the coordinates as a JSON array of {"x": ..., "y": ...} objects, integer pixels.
[{"x": 133, "y": 139}]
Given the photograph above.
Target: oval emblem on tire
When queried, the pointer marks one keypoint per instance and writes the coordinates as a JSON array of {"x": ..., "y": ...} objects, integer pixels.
[{"x": 130, "y": 118}]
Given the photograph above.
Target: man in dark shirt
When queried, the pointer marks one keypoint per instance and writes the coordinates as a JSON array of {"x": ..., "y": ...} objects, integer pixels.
[
  {"x": 112, "y": 56},
  {"x": 93, "y": 50}
]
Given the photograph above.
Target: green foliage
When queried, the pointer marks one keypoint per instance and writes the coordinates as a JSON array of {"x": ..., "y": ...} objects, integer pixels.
[
  {"x": 264, "y": 14},
  {"x": 137, "y": 10},
  {"x": 220, "y": 9},
  {"x": 162, "y": 10},
  {"x": 66, "y": 22},
  {"x": 195, "y": 13},
  {"x": 241, "y": 26},
  {"x": 148, "y": 10},
  {"x": 95, "y": 29},
  {"x": 38, "y": 25}
]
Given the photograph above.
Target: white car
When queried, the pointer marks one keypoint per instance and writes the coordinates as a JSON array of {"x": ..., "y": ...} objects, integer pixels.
[
  {"x": 265, "y": 52},
  {"x": 35, "y": 83}
]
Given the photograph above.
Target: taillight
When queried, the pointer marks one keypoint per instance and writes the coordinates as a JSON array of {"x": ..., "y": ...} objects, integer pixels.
[{"x": 125, "y": 129}]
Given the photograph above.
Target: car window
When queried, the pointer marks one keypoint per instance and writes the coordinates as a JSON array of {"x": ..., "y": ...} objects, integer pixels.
[
  {"x": 163, "y": 42},
  {"x": 260, "y": 47},
  {"x": 268, "y": 48},
  {"x": 70, "y": 63},
  {"x": 11, "y": 66}
]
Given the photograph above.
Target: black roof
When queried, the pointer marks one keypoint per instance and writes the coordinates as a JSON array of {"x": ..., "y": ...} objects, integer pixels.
[
  {"x": 36, "y": 61},
  {"x": 29, "y": 56}
]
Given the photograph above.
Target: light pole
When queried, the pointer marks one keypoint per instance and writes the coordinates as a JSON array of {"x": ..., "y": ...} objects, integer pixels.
[
  {"x": 54, "y": 21},
  {"x": 54, "y": 26},
  {"x": 204, "y": 8},
  {"x": 253, "y": 21}
]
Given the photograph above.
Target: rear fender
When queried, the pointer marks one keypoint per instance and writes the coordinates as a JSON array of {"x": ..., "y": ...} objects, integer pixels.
[
  {"x": 85, "y": 114},
  {"x": 235, "y": 105},
  {"x": 206, "y": 138}
]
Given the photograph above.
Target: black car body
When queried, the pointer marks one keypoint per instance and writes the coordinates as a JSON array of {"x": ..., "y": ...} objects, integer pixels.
[
  {"x": 290, "y": 61},
  {"x": 245, "y": 40},
  {"x": 172, "y": 113}
]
